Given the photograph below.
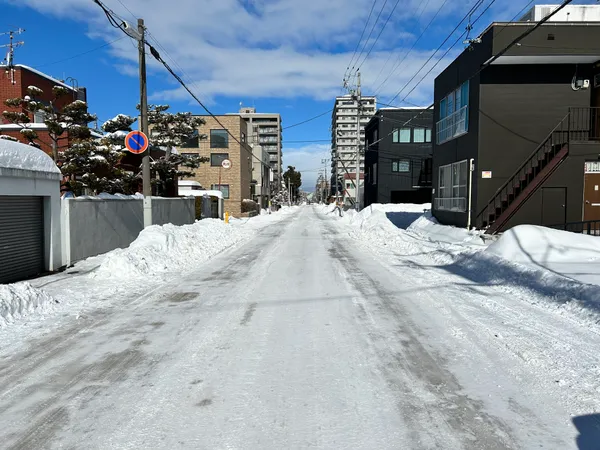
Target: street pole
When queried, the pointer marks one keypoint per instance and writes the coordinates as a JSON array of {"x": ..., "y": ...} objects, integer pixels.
[
  {"x": 358, "y": 104},
  {"x": 269, "y": 190},
  {"x": 143, "y": 125}
]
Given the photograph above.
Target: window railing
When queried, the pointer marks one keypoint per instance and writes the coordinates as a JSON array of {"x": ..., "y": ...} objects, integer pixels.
[
  {"x": 452, "y": 126},
  {"x": 457, "y": 204}
]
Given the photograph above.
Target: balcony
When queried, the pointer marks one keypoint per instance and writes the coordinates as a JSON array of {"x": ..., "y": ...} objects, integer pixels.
[
  {"x": 268, "y": 130},
  {"x": 456, "y": 204},
  {"x": 273, "y": 157},
  {"x": 453, "y": 126},
  {"x": 268, "y": 140}
]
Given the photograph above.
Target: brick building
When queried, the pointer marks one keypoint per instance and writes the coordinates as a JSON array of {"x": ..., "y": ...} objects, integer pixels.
[
  {"x": 14, "y": 83},
  {"x": 219, "y": 145}
]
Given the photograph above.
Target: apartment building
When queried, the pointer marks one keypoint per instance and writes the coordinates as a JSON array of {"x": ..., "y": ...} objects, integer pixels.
[
  {"x": 234, "y": 182},
  {"x": 518, "y": 142},
  {"x": 264, "y": 129},
  {"x": 260, "y": 175},
  {"x": 345, "y": 132}
]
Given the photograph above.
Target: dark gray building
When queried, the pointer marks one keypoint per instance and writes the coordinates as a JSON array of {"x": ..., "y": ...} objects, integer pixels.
[
  {"x": 398, "y": 156},
  {"x": 519, "y": 141}
]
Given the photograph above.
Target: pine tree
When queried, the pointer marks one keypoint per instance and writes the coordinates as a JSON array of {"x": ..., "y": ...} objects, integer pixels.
[
  {"x": 116, "y": 129},
  {"x": 170, "y": 131},
  {"x": 71, "y": 120}
]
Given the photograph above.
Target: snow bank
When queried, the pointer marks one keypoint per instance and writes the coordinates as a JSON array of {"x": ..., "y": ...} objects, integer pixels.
[
  {"x": 19, "y": 300},
  {"x": 554, "y": 269},
  {"x": 170, "y": 248},
  {"x": 576, "y": 256}
]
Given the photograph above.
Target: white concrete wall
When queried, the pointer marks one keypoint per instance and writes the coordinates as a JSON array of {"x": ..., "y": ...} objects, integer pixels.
[
  {"x": 19, "y": 182},
  {"x": 92, "y": 226}
]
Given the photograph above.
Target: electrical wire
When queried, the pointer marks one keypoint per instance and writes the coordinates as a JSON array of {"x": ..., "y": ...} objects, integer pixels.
[
  {"x": 370, "y": 34},
  {"x": 360, "y": 39},
  {"x": 390, "y": 53},
  {"x": 308, "y": 120},
  {"x": 473, "y": 9},
  {"x": 400, "y": 61},
  {"x": 379, "y": 35},
  {"x": 83, "y": 53}
]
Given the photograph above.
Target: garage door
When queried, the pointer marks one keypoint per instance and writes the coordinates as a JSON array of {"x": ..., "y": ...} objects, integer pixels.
[{"x": 21, "y": 237}]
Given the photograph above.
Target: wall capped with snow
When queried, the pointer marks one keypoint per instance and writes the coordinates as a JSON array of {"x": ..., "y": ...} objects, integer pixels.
[
  {"x": 28, "y": 171},
  {"x": 96, "y": 225}
]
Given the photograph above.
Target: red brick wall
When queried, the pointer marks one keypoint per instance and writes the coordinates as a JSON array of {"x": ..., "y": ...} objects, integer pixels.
[{"x": 23, "y": 79}]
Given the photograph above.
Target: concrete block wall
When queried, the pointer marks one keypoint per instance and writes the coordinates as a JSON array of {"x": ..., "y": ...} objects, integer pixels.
[{"x": 92, "y": 226}]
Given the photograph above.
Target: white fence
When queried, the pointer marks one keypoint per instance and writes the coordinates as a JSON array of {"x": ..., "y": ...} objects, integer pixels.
[{"x": 92, "y": 226}]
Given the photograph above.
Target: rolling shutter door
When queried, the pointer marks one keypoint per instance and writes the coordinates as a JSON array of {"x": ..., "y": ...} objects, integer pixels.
[{"x": 21, "y": 237}]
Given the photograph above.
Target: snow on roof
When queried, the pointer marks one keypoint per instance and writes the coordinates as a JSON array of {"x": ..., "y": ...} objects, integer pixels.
[
  {"x": 14, "y": 155},
  {"x": 188, "y": 183},
  {"x": 48, "y": 77},
  {"x": 192, "y": 193}
]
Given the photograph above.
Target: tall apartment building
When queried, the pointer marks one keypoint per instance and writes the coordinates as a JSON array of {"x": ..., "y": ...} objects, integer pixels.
[
  {"x": 264, "y": 129},
  {"x": 344, "y": 133}
]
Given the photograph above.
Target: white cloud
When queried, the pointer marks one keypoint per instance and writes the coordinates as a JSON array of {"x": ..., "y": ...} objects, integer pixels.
[
  {"x": 307, "y": 159},
  {"x": 264, "y": 48}
]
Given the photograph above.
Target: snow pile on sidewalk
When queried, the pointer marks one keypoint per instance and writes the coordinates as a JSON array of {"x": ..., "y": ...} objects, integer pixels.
[
  {"x": 171, "y": 248},
  {"x": 575, "y": 256},
  {"x": 19, "y": 300},
  {"x": 555, "y": 269}
]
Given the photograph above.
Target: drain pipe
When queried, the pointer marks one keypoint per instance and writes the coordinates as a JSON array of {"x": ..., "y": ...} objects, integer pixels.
[{"x": 471, "y": 170}]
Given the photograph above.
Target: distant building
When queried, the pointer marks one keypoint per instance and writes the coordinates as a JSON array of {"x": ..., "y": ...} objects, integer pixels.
[
  {"x": 234, "y": 182},
  {"x": 260, "y": 183},
  {"x": 265, "y": 129},
  {"x": 570, "y": 13},
  {"x": 345, "y": 132},
  {"x": 14, "y": 84},
  {"x": 399, "y": 156}
]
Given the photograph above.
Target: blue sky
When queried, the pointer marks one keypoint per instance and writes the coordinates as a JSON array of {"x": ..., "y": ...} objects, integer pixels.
[{"x": 286, "y": 56}]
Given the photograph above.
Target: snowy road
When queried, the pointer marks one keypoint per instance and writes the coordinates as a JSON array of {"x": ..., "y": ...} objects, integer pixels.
[{"x": 299, "y": 338}]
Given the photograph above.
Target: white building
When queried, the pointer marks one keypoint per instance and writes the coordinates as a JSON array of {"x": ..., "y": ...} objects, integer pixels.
[
  {"x": 344, "y": 133},
  {"x": 261, "y": 176},
  {"x": 570, "y": 13}
]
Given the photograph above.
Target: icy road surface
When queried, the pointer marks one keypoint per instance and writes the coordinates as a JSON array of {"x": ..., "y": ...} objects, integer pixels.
[{"x": 297, "y": 339}]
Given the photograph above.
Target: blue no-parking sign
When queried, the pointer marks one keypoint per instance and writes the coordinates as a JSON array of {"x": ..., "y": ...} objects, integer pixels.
[{"x": 136, "y": 142}]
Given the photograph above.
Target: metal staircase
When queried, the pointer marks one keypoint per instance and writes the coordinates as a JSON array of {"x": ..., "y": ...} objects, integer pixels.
[{"x": 527, "y": 179}]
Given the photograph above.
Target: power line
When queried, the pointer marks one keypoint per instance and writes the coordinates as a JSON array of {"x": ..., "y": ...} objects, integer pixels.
[
  {"x": 308, "y": 120},
  {"x": 445, "y": 53},
  {"x": 361, "y": 36},
  {"x": 400, "y": 61},
  {"x": 390, "y": 53},
  {"x": 379, "y": 35},
  {"x": 370, "y": 33},
  {"x": 473, "y": 9},
  {"x": 83, "y": 53}
]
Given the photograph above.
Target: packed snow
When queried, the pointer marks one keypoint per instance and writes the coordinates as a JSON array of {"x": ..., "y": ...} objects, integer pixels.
[
  {"x": 555, "y": 269},
  {"x": 159, "y": 252},
  {"x": 14, "y": 155}
]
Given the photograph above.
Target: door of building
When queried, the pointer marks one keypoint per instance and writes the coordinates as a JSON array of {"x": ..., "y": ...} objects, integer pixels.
[
  {"x": 554, "y": 202},
  {"x": 591, "y": 191},
  {"x": 21, "y": 237}
]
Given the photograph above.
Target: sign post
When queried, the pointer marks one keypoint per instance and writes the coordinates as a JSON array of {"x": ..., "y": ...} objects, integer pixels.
[
  {"x": 225, "y": 164},
  {"x": 137, "y": 143}
]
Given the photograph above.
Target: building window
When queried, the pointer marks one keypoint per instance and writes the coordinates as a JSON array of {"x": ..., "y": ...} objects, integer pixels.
[
  {"x": 452, "y": 187},
  {"x": 401, "y": 166},
  {"x": 454, "y": 110},
  {"x": 374, "y": 173},
  {"x": 401, "y": 135},
  {"x": 428, "y": 135},
  {"x": 39, "y": 116},
  {"x": 224, "y": 188},
  {"x": 217, "y": 158},
  {"x": 419, "y": 135},
  {"x": 243, "y": 137},
  {"x": 192, "y": 142},
  {"x": 191, "y": 155},
  {"x": 219, "y": 139}
]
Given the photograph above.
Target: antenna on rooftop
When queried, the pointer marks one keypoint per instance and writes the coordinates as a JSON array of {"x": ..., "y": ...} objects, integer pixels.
[{"x": 10, "y": 55}]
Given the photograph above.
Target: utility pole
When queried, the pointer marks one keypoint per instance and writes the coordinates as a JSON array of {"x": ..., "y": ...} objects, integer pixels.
[
  {"x": 290, "y": 191},
  {"x": 358, "y": 104},
  {"x": 147, "y": 187}
]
